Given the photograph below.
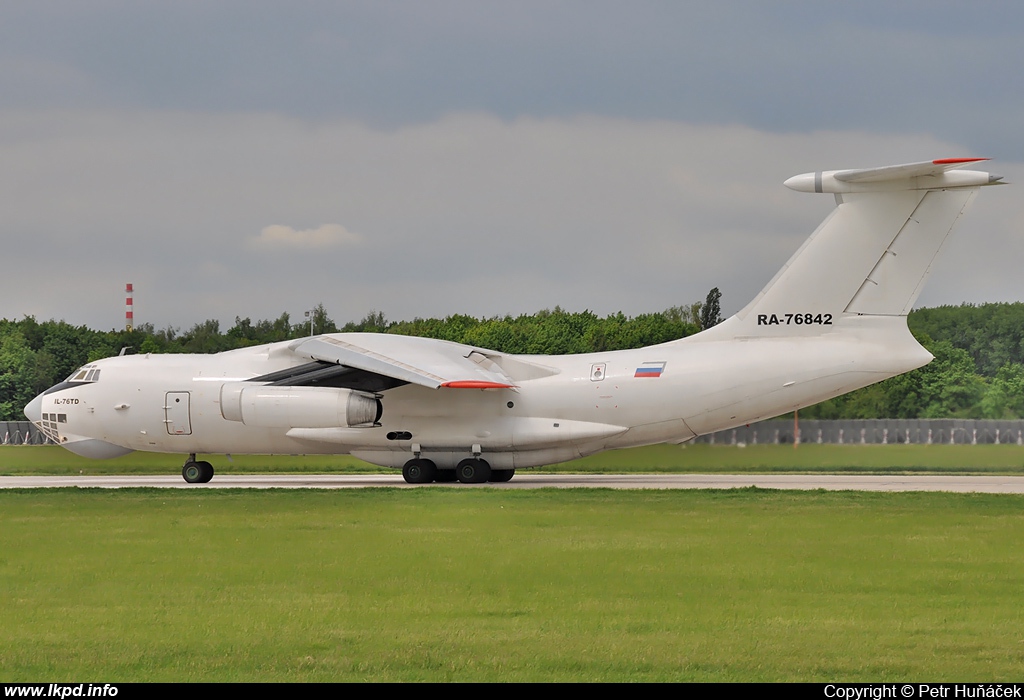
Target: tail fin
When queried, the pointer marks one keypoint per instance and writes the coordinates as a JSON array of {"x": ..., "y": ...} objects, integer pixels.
[{"x": 874, "y": 252}]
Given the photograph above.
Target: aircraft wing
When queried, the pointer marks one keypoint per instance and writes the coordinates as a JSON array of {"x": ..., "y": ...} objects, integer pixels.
[{"x": 403, "y": 359}]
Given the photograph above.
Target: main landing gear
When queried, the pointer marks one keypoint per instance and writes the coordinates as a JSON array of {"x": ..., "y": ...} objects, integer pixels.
[
  {"x": 196, "y": 472},
  {"x": 468, "y": 471},
  {"x": 419, "y": 471},
  {"x": 473, "y": 471}
]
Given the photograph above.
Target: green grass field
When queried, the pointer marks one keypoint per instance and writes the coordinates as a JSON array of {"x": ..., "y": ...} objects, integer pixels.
[
  {"x": 495, "y": 585},
  {"x": 698, "y": 459}
]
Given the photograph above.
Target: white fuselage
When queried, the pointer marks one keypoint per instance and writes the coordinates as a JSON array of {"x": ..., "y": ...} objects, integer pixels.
[{"x": 573, "y": 406}]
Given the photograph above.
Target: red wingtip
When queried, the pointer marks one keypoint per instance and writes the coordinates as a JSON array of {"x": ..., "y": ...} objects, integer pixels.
[
  {"x": 473, "y": 384},
  {"x": 953, "y": 161}
]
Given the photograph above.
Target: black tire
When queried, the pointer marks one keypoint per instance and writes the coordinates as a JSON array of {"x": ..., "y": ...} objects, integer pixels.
[
  {"x": 192, "y": 473},
  {"x": 419, "y": 471},
  {"x": 446, "y": 476},
  {"x": 502, "y": 475},
  {"x": 473, "y": 471},
  {"x": 207, "y": 470}
]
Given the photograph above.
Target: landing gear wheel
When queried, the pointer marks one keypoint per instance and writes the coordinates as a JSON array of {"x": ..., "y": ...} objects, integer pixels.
[
  {"x": 197, "y": 472},
  {"x": 473, "y": 471},
  {"x": 502, "y": 475},
  {"x": 445, "y": 476},
  {"x": 419, "y": 471}
]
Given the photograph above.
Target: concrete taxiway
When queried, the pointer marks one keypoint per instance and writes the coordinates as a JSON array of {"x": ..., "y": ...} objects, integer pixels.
[{"x": 526, "y": 480}]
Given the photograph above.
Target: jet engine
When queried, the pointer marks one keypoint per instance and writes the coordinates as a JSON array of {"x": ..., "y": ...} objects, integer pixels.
[{"x": 297, "y": 406}]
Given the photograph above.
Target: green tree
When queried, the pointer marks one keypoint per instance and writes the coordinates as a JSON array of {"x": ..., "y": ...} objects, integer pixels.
[
  {"x": 205, "y": 337},
  {"x": 17, "y": 376},
  {"x": 149, "y": 345},
  {"x": 69, "y": 347},
  {"x": 1004, "y": 396},
  {"x": 243, "y": 333},
  {"x": 274, "y": 331},
  {"x": 321, "y": 323},
  {"x": 711, "y": 311},
  {"x": 373, "y": 322},
  {"x": 993, "y": 334}
]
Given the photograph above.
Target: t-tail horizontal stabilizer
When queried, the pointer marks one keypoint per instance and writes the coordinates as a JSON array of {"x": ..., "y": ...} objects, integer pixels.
[{"x": 931, "y": 174}]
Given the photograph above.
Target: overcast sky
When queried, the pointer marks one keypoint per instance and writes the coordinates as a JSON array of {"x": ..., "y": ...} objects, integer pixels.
[{"x": 430, "y": 158}]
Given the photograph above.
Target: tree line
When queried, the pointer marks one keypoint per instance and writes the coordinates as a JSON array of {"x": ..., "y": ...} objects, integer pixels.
[
  {"x": 978, "y": 371},
  {"x": 36, "y": 355}
]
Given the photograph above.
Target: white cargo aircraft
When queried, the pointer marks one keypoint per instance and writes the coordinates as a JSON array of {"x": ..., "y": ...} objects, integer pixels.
[{"x": 832, "y": 320}]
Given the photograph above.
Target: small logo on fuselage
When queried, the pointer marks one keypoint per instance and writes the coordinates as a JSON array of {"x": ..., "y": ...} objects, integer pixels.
[{"x": 650, "y": 369}]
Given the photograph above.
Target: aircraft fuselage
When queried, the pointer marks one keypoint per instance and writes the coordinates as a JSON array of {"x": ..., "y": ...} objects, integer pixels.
[{"x": 580, "y": 404}]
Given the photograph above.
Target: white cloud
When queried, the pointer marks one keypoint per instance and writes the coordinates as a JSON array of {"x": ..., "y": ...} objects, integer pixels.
[{"x": 278, "y": 237}]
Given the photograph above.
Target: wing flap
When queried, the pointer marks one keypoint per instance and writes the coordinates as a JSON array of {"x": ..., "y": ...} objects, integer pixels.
[{"x": 423, "y": 361}]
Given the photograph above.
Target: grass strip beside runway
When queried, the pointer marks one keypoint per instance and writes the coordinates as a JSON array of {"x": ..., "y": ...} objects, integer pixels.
[
  {"x": 492, "y": 585},
  {"x": 689, "y": 459}
]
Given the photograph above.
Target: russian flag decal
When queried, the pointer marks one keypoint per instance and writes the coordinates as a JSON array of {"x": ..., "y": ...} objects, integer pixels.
[{"x": 650, "y": 369}]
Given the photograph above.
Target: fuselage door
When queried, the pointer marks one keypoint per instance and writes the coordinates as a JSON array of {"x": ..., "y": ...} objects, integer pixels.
[{"x": 176, "y": 413}]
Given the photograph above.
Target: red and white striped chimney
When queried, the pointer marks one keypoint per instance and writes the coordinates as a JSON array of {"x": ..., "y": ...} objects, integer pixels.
[{"x": 129, "y": 315}]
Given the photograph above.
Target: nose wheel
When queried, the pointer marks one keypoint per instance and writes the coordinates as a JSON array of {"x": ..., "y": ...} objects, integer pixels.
[{"x": 197, "y": 472}]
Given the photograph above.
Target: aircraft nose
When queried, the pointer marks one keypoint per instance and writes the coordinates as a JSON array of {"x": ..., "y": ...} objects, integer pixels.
[{"x": 34, "y": 410}]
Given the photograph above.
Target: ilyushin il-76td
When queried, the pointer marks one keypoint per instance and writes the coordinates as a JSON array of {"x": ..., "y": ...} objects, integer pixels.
[{"x": 832, "y": 320}]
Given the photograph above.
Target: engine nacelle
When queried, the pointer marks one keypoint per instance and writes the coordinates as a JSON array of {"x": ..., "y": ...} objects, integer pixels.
[{"x": 297, "y": 406}]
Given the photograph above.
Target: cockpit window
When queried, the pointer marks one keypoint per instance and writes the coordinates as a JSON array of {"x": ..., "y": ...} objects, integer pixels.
[{"x": 88, "y": 373}]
